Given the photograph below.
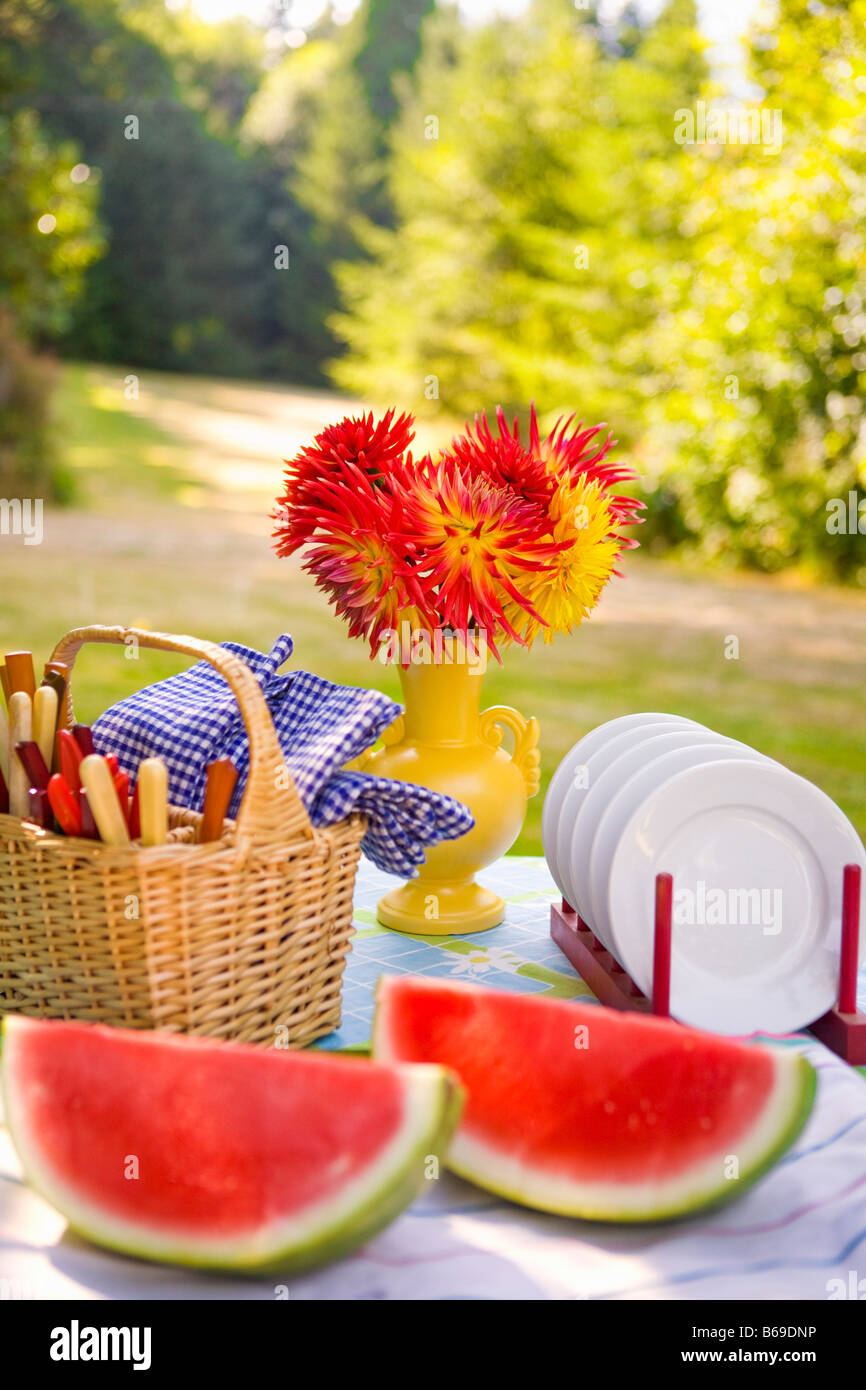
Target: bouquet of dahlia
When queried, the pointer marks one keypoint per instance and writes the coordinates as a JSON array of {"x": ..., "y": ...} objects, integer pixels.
[{"x": 498, "y": 538}]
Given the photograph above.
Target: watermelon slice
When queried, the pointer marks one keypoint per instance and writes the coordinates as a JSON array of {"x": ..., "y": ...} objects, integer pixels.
[
  {"x": 216, "y": 1154},
  {"x": 584, "y": 1111}
]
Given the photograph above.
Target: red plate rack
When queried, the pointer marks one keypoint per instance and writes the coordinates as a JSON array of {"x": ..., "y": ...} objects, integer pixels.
[{"x": 842, "y": 1029}]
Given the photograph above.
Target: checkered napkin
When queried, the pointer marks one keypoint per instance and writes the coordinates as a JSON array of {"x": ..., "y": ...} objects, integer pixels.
[{"x": 191, "y": 719}]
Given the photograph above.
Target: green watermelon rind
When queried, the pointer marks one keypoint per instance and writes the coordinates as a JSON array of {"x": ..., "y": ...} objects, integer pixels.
[
  {"x": 726, "y": 1191},
  {"x": 438, "y": 1100},
  {"x": 536, "y": 1192}
]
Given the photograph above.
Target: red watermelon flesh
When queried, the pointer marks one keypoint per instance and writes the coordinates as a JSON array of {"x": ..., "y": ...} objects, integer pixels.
[
  {"x": 582, "y": 1110},
  {"x": 217, "y": 1154}
]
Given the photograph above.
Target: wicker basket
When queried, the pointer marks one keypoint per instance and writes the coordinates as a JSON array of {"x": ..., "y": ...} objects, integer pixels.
[{"x": 243, "y": 938}]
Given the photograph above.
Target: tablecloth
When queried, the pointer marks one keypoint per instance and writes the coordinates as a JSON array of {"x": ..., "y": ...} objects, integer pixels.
[{"x": 799, "y": 1234}]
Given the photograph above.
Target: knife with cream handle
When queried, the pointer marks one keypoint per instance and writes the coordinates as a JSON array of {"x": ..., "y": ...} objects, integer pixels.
[
  {"x": 20, "y": 731},
  {"x": 102, "y": 798},
  {"x": 45, "y": 721},
  {"x": 152, "y": 787}
]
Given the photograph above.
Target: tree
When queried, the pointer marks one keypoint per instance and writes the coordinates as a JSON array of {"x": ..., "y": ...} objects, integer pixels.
[
  {"x": 48, "y": 235},
  {"x": 339, "y": 172},
  {"x": 280, "y": 116},
  {"x": 320, "y": 118},
  {"x": 530, "y": 174},
  {"x": 390, "y": 43},
  {"x": 755, "y": 415},
  {"x": 217, "y": 67},
  {"x": 194, "y": 225},
  {"x": 47, "y": 238},
  {"x": 341, "y": 175}
]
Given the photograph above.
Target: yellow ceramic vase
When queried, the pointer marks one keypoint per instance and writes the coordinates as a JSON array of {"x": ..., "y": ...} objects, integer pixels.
[{"x": 444, "y": 742}]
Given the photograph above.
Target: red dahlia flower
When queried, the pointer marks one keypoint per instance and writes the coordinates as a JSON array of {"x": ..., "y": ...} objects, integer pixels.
[
  {"x": 503, "y": 459},
  {"x": 511, "y": 538},
  {"x": 358, "y": 560},
  {"x": 355, "y": 445}
]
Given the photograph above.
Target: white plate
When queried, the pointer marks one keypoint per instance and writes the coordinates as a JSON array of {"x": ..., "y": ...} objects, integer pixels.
[
  {"x": 623, "y": 758},
  {"x": 562, "y": 779},
  {"x": 668, "y": 754},
  {"x": 593, "y": 761},
  {"x": 725, "y": 831}
]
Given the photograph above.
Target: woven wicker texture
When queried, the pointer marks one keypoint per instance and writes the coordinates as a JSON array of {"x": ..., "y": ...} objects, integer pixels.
[{"x": 243, "y": 938}]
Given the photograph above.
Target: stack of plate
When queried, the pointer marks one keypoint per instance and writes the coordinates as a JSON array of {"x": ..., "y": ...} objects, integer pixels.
[{"x": 756, "y": 852}]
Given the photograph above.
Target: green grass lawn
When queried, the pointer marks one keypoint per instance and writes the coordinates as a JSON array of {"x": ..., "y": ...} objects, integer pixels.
[{"x": 170, "y": 532}]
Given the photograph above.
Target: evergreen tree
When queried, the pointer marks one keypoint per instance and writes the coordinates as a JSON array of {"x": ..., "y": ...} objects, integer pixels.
[
  {"x": 341, "y": 175},
  {"x": 48, "y": 236},
  {"x": 389, "y": 43},
  {"x": 192, "y": 223},
  {"x": 321, "y": 118},
  {"x": 529, "y": 175},
  {"x": 755, "y": 410}
]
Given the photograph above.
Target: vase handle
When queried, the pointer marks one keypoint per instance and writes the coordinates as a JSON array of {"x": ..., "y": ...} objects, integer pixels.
[{"x": 525, "y": 756}]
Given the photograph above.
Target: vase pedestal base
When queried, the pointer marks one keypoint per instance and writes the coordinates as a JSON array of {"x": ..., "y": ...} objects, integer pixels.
[{"x": 433, "y": 907}]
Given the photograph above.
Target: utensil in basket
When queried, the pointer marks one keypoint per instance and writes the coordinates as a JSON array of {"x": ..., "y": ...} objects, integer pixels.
[{"x": 243, "y": 938}]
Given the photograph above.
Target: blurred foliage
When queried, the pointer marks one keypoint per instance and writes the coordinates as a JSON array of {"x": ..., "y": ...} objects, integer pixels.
[
  {"x": 533, "y": 177},
  {"x": 281, "y": 114},
  {"x": 49, "y": 236},
  {"x": 322, "y": 116},
  {"x": 390, "y": 44},
  {"x": 194, "y": 222},
  {"x": 217, "y": 67},
  {"x": 470, "y": 215},
  {"x": 27, "y": 466},
  {"x": 183, "y": 277},
  {"x": 554, "y": 240},
  {"x": 757, "y": 356},
  {"x": 342, "y": 171},
  {"x": 47, "y": 225}
]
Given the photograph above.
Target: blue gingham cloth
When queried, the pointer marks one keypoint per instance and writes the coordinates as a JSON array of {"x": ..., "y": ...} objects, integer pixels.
[{"x": 191, "y": 719}]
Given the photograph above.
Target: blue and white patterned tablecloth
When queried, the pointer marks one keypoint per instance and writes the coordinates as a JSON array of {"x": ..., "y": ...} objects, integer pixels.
[
  {"x": 799, "y": 1234},
  {"x": 518, "y": 955}
]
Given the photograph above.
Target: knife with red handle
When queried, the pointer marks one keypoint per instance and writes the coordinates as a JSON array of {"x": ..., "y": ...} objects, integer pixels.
[
  {"x": 121, "y": 786},
  {"x": 135, "y": 815},
  {"x": 69, "y": 757},
  {"x": 83, "y": 736},
  {"x": 88, "y": 824},
  {"x": 40, "y": 808},
  {"x": 34, "y": 764},
  {"x": 64, "y": 804}
]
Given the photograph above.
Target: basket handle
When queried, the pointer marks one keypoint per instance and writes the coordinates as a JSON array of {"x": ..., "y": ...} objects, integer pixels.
[{"x": 271, "y": 810}]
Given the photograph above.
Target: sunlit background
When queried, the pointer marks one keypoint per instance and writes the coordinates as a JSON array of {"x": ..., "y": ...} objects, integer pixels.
[
  {"x": 724, "y": 22},
  {"x": 225, "y": 225}
]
